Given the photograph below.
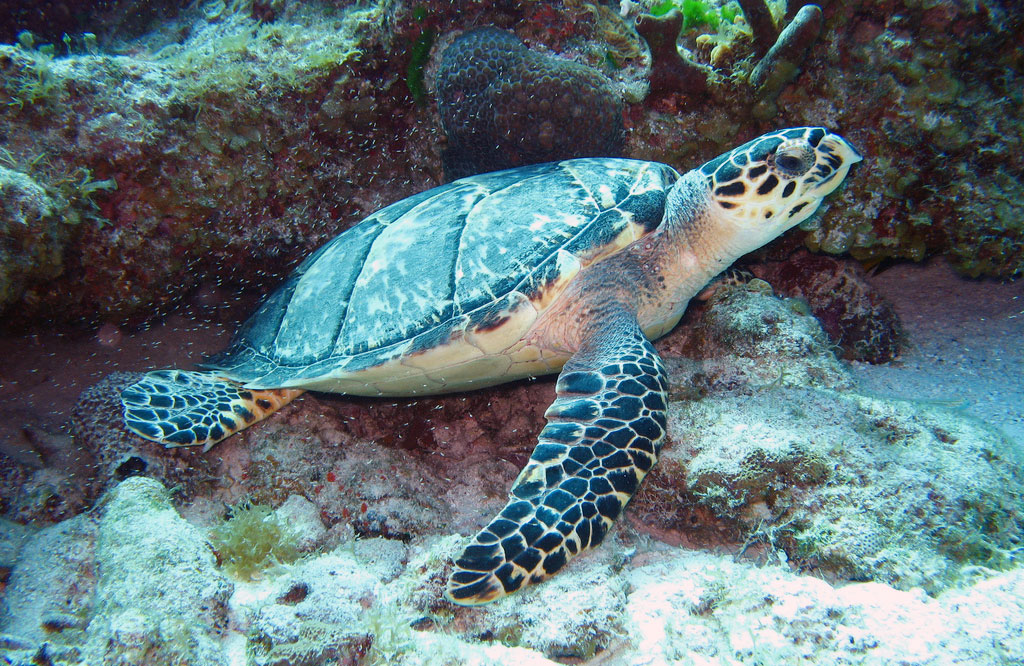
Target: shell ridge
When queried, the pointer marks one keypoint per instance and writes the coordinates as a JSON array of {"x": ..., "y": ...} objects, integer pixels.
[
  {"x": 374, "y": 329},
  {"x": 347, "y": 254},
  {"x": 464, "y": 301},
  {"x": 588, "y": 234},
  {"x": 457, "y": 308}
]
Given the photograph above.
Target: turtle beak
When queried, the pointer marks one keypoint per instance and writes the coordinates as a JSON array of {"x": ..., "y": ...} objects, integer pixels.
[
  {"x": 835, "y": 157},
  {"x": 843, "y": 148}
]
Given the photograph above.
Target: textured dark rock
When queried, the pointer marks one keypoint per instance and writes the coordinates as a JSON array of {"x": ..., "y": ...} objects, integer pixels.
[
  {"x": 852, "y": 312},
  {"x": 98, "y": 430},
  {"x": 503, "y": 105}
]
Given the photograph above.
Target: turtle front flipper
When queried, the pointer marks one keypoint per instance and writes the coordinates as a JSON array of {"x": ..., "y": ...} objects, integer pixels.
[
  {"x": 180, "y": 408},
  {"x": 603, "y": 435}
]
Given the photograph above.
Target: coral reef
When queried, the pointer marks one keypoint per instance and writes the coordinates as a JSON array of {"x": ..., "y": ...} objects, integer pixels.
[
  {"x": 177, "y": 130},
  {"x": 378, "y": 601},
  {"x": 938, "y": 179},
  {"x": 210, "y": 160},
  {"x": 30, "y": 235},
  {"x": 855, "y": 486},
  {"x": 56, "y": 22},
  {"x": 222, "y": 147},
  {"x": 135, "y": 585},
  {"x": 774, "y": 458},
  {"x": 503, "y": 105},
  {"x": 751, "y": 363},
  {"x": 780, "y": 54}
]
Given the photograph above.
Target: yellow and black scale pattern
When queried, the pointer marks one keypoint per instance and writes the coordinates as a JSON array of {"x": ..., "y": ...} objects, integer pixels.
[
  {"x": 604, "y": 431},
  {"x": 182, "y": 408}
]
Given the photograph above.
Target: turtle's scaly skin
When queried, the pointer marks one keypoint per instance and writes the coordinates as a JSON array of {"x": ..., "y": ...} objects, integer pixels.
[
  {"x": 604, "y": 432},
  {"x": 196, "y": 407},
  {"x": 506, "y": 275}
]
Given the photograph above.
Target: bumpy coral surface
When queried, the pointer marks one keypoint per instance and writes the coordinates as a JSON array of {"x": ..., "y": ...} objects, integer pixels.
[
  {"x": 783, "y": 451},
  {"x": 503, "y": 105}
]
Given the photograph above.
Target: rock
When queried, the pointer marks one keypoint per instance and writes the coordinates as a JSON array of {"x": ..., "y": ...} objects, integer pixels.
[
  {"x": 775, "y": 449},
  {"x": 32, "y": 236},
  {"x": 159, "y": 596},
  {"x": 52, "y": 580},
  {"x": 304, "y": 518},
  {"x": 97, "y": 426},
  {"x": 12, "y": 537},
  {"x": 316, "y": 612},
  {"x": 700, "y": 607},
  {"x": 855, "y": 487},
  {"x": 748, "y": 337},
  {"x": 853, "y": 313}
]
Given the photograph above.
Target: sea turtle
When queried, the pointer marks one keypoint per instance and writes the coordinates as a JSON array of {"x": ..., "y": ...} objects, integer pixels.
[{"x": 570, "y": 266}]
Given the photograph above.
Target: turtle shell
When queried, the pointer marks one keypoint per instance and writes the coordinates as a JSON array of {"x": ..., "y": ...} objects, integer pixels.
[{"x": 435, "y": 292}]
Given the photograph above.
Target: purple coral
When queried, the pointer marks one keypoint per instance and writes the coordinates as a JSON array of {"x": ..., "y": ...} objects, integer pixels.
[{"x": 503, "y": 105}]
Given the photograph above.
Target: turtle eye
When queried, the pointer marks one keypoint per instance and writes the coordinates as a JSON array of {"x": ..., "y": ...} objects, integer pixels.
[{"x": 793, "y": 160}]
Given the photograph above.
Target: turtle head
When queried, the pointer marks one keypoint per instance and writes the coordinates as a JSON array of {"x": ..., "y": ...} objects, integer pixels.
[{"x": 778, "y": 180}]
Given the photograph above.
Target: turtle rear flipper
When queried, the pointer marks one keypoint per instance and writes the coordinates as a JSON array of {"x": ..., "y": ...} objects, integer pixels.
[
  {"x": 180, "y": 408},
  {"x": 603, "y": 435}
]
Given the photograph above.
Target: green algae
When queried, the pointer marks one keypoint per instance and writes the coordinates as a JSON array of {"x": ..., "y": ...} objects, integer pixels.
[
  {"x": 419, "y": 54},
  {"x": 253, "y": 540},
  {"x": 696, "y": 13}
]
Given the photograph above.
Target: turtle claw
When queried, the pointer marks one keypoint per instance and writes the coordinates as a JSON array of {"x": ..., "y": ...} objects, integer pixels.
[{"x": 181, "y": 408}]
